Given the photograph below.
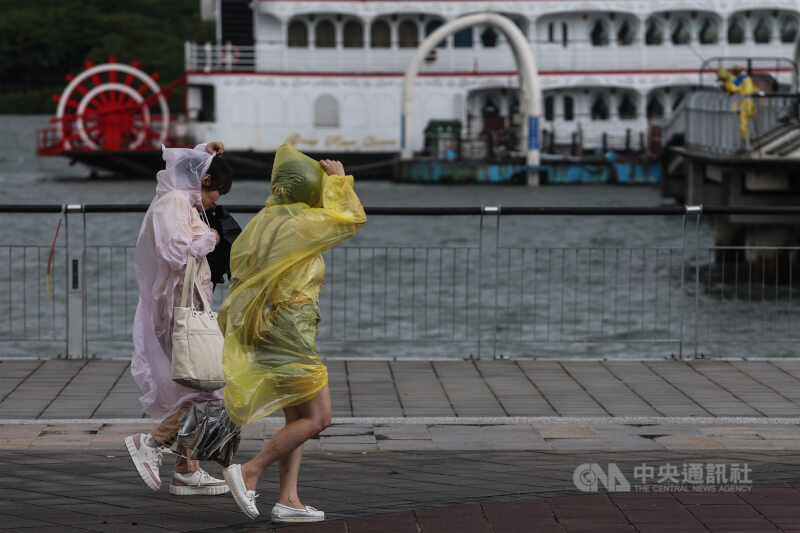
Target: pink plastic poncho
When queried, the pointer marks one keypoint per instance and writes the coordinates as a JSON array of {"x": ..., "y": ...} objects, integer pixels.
[{"x": 171, "y": 229}]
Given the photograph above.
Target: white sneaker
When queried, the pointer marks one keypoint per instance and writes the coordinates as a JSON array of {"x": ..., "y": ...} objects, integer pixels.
[
  {"x": 283, "y": 513},
  {"x": 196, "y": 483},
  {"x": 146, "y": 459},
  {"x": 245, "y": 499}
]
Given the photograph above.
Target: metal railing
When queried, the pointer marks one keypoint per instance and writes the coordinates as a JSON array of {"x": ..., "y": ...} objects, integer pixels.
[
  {"x": 710, "y": 120},
  {"x": 484, "y": 298}
]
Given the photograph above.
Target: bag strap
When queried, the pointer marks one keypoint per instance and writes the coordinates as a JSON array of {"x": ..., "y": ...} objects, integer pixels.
[{"x": 190, "y": 280}]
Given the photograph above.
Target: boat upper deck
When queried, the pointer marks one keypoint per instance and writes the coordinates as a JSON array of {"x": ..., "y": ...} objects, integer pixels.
[{"x": 569, "y": 38}]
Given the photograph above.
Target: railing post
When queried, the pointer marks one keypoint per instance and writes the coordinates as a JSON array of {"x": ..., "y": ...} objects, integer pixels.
[
  {"x": 690, "y": 210},
  {"x": 488, "y": 210},
  {"x": 209, "y": 58},
  {"x": 496, "y": 278},
  {"x": 699, "y": 211},
  {"x": 480, "y": 284},
  {"x": 76, "y": 293}
]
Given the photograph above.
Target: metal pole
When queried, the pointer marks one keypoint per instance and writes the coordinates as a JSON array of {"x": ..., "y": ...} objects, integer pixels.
[
  {"x": 76, "y": 296},
  {"x": 683, "y": 285},
  {"x": 480, "y": 262},
  {"x": 66, "y": 275},
  {"x": 697, "y": 280},
  {"x": 690, "y": 210},
  {"x": 496, "y": 269}
]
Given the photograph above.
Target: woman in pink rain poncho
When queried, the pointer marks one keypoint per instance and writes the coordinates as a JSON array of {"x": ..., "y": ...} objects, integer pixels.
[{"x": 192, "y": 180}]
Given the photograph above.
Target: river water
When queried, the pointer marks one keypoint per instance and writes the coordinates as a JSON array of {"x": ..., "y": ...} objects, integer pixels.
[{"x": 565, "y": 286}]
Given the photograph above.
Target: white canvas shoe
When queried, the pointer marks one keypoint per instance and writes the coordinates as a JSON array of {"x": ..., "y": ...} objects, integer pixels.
[
  {"x": 197, "y": 483},
  {"x": 245, "y": 499},
  {"x": 146, "y": 459},
  {"x": 283, "y": 513}
]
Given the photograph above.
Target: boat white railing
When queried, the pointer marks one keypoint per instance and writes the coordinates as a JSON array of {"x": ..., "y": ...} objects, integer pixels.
[
  {"x": 577, "y": 59},
  {"x": 487, "y": 295},
  {"x": 219, "y": 57}
]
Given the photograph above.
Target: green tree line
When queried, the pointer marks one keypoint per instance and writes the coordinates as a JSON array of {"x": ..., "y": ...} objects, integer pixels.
[{"x": 41, "y": 41}]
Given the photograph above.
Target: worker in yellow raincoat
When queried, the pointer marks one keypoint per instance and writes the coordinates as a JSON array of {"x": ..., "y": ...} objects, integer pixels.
[
  {"x": 270, "y": 317},
  {"x": 738, "y": 82}
]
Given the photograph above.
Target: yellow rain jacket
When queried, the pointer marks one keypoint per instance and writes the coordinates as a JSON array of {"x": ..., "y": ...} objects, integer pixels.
[
  {"x": 270, "y": 315},
  {"x": 743, "y": 84}
]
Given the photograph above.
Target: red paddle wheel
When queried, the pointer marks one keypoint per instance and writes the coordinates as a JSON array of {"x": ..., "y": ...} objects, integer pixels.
[{"x": 109, "y": 107}]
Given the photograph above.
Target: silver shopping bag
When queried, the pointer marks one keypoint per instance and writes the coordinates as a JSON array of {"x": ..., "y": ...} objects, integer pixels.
[{"x": 206, "y": 430}]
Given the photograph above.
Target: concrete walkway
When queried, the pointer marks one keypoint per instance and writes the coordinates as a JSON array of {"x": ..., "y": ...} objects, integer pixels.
[
  {"x": 495, "y": 388},
  {"x": 456, "y": 405},
  {"x": 435, "y": 446}
]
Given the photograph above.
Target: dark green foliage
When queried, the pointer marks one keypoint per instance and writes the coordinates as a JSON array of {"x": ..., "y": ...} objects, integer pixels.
[{"x": 43, "y": 40}]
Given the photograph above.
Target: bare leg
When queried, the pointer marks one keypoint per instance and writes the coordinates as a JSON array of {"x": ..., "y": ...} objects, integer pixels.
[
  {"x": 289, "y": 468},
  {"x": 314, "y": 416}
]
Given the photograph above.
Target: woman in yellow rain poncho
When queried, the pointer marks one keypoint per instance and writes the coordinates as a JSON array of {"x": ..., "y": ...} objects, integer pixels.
[{"x": 270, "y": 318}]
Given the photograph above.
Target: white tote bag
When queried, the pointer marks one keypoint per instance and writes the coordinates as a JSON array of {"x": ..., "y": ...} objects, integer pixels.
[{"x": 197, "y": 341}]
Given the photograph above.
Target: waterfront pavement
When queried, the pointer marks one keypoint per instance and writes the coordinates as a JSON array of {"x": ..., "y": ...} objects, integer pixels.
[{"x": 437, "y": 446}]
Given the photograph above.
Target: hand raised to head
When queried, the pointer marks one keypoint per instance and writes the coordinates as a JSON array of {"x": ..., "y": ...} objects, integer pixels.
[
  {"x": 332, "y": 167},
  {"x": 215, "y": 147}
]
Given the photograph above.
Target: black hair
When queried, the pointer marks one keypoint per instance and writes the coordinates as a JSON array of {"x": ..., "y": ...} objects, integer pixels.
[{"x": 221, "y": 175}]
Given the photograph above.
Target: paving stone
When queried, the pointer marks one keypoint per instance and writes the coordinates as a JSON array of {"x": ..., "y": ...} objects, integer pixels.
[
  {"x": 689, "y": 442},
  {"x": 559, "y": 431}
]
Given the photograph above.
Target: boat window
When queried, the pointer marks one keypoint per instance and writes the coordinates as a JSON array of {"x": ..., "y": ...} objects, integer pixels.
[
  {"x": 736, "y": 30},
  {"x": 677, "y": 98},
  {"x": 681, "y": 31},
  {"x": 654, "y": 31},
  {"x": 564, "y": 34},
  {"x": 298, "y": 34},
  {"x": 549, "y": 111},
  {"x": 463, "y": 38},
  {"x": 709, "y": 31},
  {"x": 380, "y": 34},
  {"x": 625, "y": 33},
  {"x": 490, "y": 107},
  {"x": 353, "y": 34},
  {"x": 489, "y": 37},
  {"x": 200, "y": 103},
  {"x": 513, "y": 105},
  {"x": 788, "y": 29},
  {"x": 408, "y": 34},
  {"x": 600, "y": 109},
  {"x": 655, "y": 106},
  {"x": 325, "y": 35},
  {"x": 520, "y": 24},
  {"x": 431, "y": 27},
  {"x": 599, "y": 33},
  {"x": 569, "y": 108},
  {"x": 326, "y": 111},
  {"x": 762, "y": 31},
  {"x": 551, "y": 33},
  {"x": 627, "y": 108}
]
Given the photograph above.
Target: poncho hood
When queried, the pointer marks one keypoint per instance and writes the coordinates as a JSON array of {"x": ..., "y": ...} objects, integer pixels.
[
  {"x": 183, "y": 172},
  {"x": 295, "y": 178}
]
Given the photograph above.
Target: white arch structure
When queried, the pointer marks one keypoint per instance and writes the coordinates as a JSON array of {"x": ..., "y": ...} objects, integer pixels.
[{"x": 529, "y": 87}]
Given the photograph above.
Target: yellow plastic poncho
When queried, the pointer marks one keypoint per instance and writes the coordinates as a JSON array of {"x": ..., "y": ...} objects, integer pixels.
[{"x": 270, "y": 315}]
